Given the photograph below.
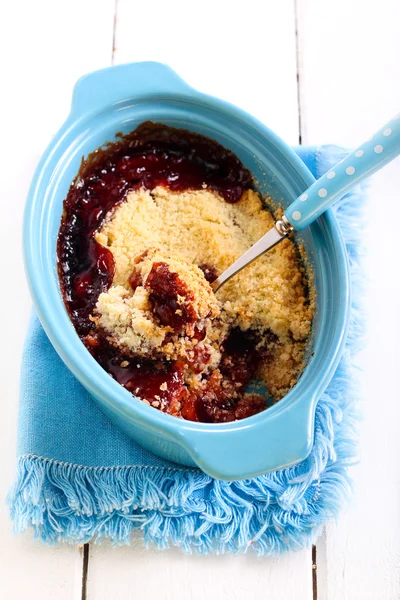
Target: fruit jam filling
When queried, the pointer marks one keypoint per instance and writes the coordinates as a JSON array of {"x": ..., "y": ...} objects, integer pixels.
[{"x": 143, "y": 309}]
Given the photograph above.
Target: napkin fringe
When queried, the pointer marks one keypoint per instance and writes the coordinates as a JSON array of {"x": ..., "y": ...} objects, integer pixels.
[
  {"x": 63, "y": 502},
  {"x": 181, "y": 507}
]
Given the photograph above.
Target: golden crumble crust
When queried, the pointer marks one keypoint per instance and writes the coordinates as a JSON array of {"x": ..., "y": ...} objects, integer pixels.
[{"x": 199, "y": 227}]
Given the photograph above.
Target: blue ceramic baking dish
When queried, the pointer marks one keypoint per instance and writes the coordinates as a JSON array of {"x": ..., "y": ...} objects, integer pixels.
[{"x": 118, "y": 99}]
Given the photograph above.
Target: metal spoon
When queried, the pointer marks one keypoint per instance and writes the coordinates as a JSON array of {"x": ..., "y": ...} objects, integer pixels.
[{"x": 368, "y": 158}]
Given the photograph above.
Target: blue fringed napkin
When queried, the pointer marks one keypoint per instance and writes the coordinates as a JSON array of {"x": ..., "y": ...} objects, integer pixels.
[{"x": 80, "y": 479}]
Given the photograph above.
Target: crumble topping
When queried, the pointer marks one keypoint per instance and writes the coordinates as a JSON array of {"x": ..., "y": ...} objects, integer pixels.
[
  {"x": 199, "y": 227},
  {"x": 165, "y": 308}
]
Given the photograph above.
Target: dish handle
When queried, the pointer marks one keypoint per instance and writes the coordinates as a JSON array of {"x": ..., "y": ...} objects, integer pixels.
[
  {"x": 243, "y": 450},
  {"x": 114, "y": 85}
]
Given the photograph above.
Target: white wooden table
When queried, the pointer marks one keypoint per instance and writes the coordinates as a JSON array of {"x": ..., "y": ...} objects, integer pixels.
[{"x": 322, "y": 71}]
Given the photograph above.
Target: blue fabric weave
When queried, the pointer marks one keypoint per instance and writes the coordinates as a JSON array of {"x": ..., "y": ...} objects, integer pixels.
[{"x": 80, "y": 479}]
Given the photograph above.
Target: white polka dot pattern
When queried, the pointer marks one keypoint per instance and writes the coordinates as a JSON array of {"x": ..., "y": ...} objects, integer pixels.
[{"x": 372, "y": 155}]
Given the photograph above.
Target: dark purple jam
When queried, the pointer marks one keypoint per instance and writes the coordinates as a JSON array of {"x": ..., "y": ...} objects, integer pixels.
[{"x": 152, "y": 155}]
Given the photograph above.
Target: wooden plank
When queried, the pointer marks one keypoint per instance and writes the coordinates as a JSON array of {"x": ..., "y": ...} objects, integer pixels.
[
  {"x": 243, "y": 53},
  {"x": 361, "y": 552},
  {"x": 349, "y": 86},
  {"x": 247, "y": 55},
  {"x": 349, "y": 68},
  {"x": 45, "y": 47},
  {"x": 134, "y": 572}
]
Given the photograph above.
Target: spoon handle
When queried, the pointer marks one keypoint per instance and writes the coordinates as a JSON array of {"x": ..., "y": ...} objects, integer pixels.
[{"x": 371, "y": 156}]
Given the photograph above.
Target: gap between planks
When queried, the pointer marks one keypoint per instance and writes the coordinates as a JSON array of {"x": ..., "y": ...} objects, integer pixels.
[
  {"x": 298, "y": 68},
  {"x": 314, "y": 572},
  {"x": 114, "y": 32},
  {"x": 85, "y": 569}
]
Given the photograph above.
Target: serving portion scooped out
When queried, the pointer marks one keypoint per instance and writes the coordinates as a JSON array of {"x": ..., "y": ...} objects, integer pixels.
[{"x": 148, "y": 223}]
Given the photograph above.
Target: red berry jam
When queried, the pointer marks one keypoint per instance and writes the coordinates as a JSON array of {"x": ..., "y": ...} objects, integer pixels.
[
  {"x": 154, "y": 155},
  {"x": 165, "y": 289}
]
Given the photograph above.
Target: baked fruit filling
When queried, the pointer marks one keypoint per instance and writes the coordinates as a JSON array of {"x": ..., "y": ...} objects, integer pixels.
[
  {"x": 148, "y": 223},
  {"x": 166, "y": 311}
]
